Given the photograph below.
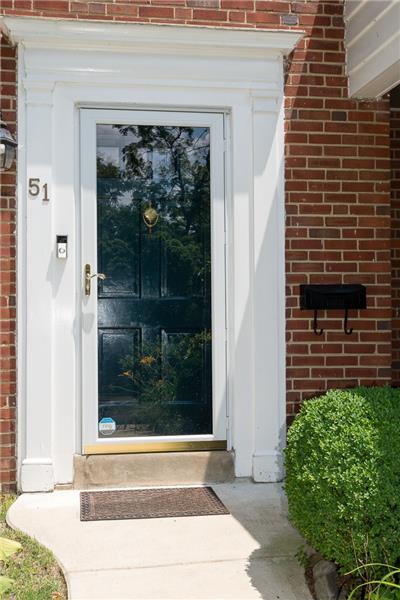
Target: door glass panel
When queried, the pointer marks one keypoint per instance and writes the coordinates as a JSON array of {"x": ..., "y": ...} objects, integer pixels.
[{"x": 154, "y": 307}]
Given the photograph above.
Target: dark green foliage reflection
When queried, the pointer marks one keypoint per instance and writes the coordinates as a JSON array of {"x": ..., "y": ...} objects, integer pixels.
[{"x": 155, "y": 305}]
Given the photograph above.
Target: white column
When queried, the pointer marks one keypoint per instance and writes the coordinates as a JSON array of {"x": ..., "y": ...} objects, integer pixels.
[
  {"x": 268, "y": 291},
  {"x": 36, "y": 259},
  {"x": 240, "y": 309},
  {"x": 66, "y": 277}
]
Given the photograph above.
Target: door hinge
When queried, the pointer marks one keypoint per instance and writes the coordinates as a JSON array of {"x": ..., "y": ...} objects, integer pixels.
[{"x": 226, "y": 145}]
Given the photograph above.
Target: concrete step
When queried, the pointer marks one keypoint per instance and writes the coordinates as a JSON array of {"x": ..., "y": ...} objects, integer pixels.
[{"x": 153, "y": 469}]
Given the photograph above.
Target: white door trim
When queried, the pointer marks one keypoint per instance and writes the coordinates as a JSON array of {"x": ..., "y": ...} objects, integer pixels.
[
  {"x": 64, "y": 65},
  {"x": 215, "y": 121}
]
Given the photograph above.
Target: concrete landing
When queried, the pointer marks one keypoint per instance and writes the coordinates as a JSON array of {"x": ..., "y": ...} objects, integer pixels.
[
  {"x": 152, "y": 469},
  {"x": 247, "y": 554}
]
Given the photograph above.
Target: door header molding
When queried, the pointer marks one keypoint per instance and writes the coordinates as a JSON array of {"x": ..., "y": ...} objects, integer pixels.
[
  {"x": 62, "y": 52},
  {"x": 142, "y": 37}
]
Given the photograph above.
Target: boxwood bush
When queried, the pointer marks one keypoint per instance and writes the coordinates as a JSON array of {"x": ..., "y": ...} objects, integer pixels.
[{"x": 343, "y": 475}]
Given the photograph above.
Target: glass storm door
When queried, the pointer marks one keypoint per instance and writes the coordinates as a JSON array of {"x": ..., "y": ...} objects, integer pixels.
[{"x": 153, "y": 318}]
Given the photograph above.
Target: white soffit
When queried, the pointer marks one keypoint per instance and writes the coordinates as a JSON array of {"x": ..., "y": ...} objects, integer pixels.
[
  {"x": 373, "y": 46},
  {"x": 142, "y": 37}
]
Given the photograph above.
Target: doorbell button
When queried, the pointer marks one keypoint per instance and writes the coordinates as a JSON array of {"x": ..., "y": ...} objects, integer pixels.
[{"x": 62, "y": 242}]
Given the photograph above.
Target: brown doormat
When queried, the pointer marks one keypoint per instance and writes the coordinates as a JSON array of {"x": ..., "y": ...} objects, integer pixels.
[{"x": 151, "y": 504}]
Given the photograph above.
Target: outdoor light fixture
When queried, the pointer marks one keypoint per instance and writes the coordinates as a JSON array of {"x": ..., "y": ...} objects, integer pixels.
[{"x": 7, "y": 147}]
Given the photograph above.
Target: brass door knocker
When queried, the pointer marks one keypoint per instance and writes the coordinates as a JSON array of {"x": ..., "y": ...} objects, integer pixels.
[{"x": 150, "y": 218}]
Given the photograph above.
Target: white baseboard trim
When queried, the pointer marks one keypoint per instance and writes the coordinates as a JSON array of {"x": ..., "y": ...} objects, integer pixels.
[
  {"x": 268, "y": 468},
  {"x": 37, "y": 475}
]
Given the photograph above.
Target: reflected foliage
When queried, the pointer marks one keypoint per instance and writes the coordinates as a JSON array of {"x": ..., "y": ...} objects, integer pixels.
[
  {"x": 166, "y": 381},
  {"x": 166, "y": 168},
  {"x": 164, "y": 387}
]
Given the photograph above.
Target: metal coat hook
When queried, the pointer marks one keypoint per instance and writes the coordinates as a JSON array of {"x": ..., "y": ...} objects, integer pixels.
[
  {"x": 346, "y": 329},
  {"x": 316, "y": 330}
]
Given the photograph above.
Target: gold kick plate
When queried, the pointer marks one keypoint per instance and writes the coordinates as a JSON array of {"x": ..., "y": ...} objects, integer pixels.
[{"x": 142, "y": 448}]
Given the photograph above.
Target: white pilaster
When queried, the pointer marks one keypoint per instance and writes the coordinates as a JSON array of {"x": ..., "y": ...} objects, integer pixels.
[
  {"x": 240, "y": 276},
  {"x": 37, "y": 263},
  {"x": 268, "y": 300}
]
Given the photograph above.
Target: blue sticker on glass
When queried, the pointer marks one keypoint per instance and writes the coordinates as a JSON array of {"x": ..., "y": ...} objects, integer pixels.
[{"x": 107, "y": 426}]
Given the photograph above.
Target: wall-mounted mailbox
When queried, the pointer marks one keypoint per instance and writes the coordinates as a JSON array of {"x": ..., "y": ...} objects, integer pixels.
[{"x": 330, "y": 297}]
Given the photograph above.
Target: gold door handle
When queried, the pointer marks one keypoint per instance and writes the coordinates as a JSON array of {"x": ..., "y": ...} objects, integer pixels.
[{"x": 89, "y": 277}]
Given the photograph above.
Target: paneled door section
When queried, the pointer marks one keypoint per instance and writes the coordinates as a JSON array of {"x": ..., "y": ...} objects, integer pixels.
[{"x": 153, "y": 280}]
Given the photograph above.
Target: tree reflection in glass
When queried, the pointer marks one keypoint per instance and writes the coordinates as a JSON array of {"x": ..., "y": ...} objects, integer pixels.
[{"x": 155, "y": 305}]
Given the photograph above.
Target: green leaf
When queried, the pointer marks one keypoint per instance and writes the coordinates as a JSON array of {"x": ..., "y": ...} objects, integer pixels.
[
  {"x": 8, "y": 548},
  {"x": 343, "y": 479},
  {"x": 5, "y": 584}
]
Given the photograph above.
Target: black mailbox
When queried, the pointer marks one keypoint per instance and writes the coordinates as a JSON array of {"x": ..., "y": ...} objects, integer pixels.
[{"x": 330, "y": 297}]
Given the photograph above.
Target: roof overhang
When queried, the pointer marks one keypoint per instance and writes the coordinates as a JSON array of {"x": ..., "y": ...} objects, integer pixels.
[{"x": 373, "y": 46}]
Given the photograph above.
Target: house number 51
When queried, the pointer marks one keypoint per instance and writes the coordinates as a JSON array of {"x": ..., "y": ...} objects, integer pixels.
[{"x": 35, "y": 187}]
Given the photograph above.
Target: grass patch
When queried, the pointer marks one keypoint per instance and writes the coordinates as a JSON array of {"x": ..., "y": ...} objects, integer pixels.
[{"x": 34, "y": 569}]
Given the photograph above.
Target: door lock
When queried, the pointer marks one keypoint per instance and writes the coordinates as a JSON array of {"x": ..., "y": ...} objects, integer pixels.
[{"x": 89, "y": 277}]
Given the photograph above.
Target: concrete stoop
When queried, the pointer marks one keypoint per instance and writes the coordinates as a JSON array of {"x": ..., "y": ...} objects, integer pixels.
[
  {"x": 248, "y": 554},
  {"x": 153, "y": 469}
]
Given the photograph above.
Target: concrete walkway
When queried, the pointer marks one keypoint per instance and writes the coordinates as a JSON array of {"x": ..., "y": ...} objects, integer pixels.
[{"x": 248, "y": 554}]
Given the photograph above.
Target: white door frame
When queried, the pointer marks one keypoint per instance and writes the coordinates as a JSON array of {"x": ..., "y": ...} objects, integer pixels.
[
  {"x": 91, "y": 441},
  {"x": 63, "y": 65}
]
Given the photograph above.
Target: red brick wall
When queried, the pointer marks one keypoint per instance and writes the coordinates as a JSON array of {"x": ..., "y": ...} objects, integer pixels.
[
  {"x": 232, "y": 13},
  {"x": 337, "y": 178},
  {"x": 7, "y": 281},
  {"x": 338, "y": 214},
  {"x": 395, "y": 199}
]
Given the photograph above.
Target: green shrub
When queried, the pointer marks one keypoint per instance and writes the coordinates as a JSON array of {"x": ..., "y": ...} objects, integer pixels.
[
  {"x": 384, "y": 588},
  {"x": 343, "y": 475}
]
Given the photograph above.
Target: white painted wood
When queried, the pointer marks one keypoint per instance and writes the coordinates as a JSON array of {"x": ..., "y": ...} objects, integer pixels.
[
  {"x": 88, "y": 201},
  {"x": 364, "y": 16},
  {"x": 37, "y": 464},
  {"x": 78, "y": 35},
  {"x": 21, "y": 278},
  {"x": 269, "y": 326},
  {"x": 373, "y": 46},
  {"x": 380, "y": 80},
  {"x": 241, "y": 324},
  {"x": 66, "y": 337},
  {"x": 352, "y": 6},
  {"x": 218, "y": 276},
  {"x": 58, "y": 76}
]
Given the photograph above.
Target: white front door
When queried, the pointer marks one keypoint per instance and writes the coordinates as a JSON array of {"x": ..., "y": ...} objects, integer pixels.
[{"x": 153, "y": 280}]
